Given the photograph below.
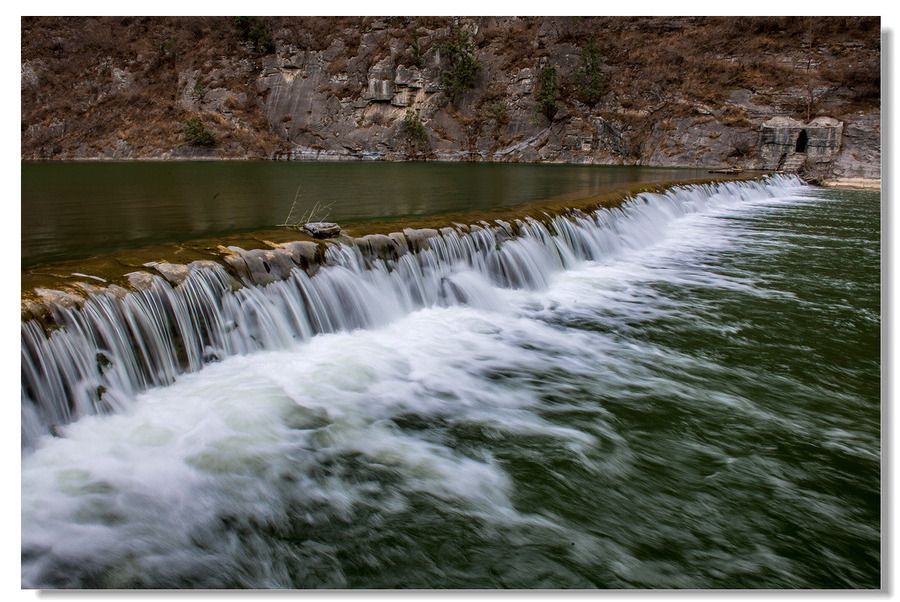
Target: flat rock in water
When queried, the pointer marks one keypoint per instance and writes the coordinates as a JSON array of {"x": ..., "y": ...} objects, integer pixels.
[{"x": 322, "y": 229}]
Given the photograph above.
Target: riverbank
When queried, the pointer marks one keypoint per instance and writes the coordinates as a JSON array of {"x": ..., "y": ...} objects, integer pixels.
[
  {"x": 69, "y": 282},
  {"x": 853, "y": 183}
]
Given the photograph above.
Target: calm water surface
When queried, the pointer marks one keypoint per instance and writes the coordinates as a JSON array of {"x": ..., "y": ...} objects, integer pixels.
[
  {"x": 701, "y": 409},
  {"x": 74, "y": 210}
]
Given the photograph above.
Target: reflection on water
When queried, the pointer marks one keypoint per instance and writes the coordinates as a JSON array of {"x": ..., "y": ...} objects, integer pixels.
[{"x": 73, "y": 210}]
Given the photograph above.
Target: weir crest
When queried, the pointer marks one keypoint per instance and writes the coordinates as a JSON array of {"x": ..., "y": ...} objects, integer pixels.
[{"x": 114, "y": 345}]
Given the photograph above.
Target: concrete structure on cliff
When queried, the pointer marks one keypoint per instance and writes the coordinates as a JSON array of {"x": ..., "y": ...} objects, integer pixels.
[{"x": 790, "y": 145}]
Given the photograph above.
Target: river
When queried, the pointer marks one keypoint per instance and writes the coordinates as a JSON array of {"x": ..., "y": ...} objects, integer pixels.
[
  {"x": 72, "y": 210},
  {"x": 681, "y": 394}
]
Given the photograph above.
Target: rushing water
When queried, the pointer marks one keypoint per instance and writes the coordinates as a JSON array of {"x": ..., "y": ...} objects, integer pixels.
[
  {"x": 681, "y": 394},
  {"x": 72, "y": 210}
]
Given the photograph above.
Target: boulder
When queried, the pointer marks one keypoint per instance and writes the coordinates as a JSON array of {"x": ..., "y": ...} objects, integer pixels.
[
  {"x": 379, "y": 245},
  {"x": 175, "y": 273},
  {"x": 267, "y": 265},
  {"x": 305, "y": 253},
  {"x": 60, "y": 298},
  {"x": 400, "y": 241},
  {"x": 139, "y": 281},
  {"x": 418, "y": 238},
  {"x": 322, "y": 229}
]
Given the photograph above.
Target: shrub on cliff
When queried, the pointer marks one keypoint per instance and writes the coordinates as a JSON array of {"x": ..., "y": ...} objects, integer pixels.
[
  {"x": 256, "y": 33},
  {"x": 589, "y": 79},
  {"x": 546, "y": 92},
  {"x": 415, "y": 137},
  {"x": 459, "y": 66},
  {"x": 499, "y": 112},
  {"x": 197, "y": 134},
  {"x": 416, "y": 52}
]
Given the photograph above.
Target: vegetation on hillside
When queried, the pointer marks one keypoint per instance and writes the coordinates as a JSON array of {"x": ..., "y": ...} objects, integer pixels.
[
  {"x": 415, "y": 137},
  {"x": 197, "y": 134},
  {"x": 546, "y": 92},
  {"x": 93, "y": 84},
  {"x": 589, "y": 77},
  {"x": 459, "y": 66},
  {"x": 253, "y": 31}
]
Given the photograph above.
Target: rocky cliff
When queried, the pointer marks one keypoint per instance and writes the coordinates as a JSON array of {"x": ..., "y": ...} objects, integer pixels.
[{"x": 653, "y": 91}]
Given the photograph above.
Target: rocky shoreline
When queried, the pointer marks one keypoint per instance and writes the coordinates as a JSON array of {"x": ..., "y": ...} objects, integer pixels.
[{"x": 854, "y": 183}]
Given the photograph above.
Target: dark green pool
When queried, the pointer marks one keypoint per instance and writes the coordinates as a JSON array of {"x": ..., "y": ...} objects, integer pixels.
[{"x": 74, "y": 210}]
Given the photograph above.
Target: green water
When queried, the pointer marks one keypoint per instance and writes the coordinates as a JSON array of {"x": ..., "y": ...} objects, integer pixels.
[
  {"x": 700, "y": 410},
  {"x": 74, "y": 210}
]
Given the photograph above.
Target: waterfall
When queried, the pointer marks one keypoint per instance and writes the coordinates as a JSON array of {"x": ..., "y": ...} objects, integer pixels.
[{"x": 104, "y": 352}]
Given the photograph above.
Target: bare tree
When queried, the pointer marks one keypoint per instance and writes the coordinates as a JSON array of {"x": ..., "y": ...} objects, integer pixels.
[
  {"x": 809, "y": 61},
  {"x": 317, "y": 213}
]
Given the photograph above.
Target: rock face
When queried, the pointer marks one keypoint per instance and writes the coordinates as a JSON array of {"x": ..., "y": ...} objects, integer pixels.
[
  {"x": 666, "y": 91},
  {"x": 860, "y": 156}
]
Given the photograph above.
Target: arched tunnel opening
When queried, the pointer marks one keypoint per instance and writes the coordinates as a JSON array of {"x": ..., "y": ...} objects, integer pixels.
[{"x": 802, "y": 141}]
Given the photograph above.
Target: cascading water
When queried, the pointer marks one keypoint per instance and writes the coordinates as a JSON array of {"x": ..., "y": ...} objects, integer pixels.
[
  {"x": 107, "y": 350},
  {"x": 697, "y": 408}
]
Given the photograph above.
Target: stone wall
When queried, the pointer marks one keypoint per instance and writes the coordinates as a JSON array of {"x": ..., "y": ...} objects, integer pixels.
[{"x": 782, "y": 137}]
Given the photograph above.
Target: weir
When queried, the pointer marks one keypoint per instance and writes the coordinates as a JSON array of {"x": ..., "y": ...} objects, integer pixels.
[{"x": 100, "y": 353}]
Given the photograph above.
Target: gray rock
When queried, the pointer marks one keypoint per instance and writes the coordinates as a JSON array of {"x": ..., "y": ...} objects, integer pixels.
[
  {"x": 175, "y": 273},
  {"x": 401, "y": 98},
  {"x": 260, "y": 266},
  {"x": 380, "y": 90},
  {"x": 860, "y": 155},
  {"x": 400, "y": 240},
  {"x": 122, "y": 79},
  {"x": 30, "y": 76},
  {"x": 418, "y": 238},
  {"x": 322, "y": 229},
  {"x": 409, "y": 77},
  {"x": 304, "y": 253},
  {"x": 379, "y": 245},
  {"x": 60, "y": 298},
  {"x": 139, "y": 281}
]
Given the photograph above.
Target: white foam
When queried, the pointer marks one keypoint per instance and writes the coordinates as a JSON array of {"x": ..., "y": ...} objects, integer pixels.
[{"x": 320, "y": 430}]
